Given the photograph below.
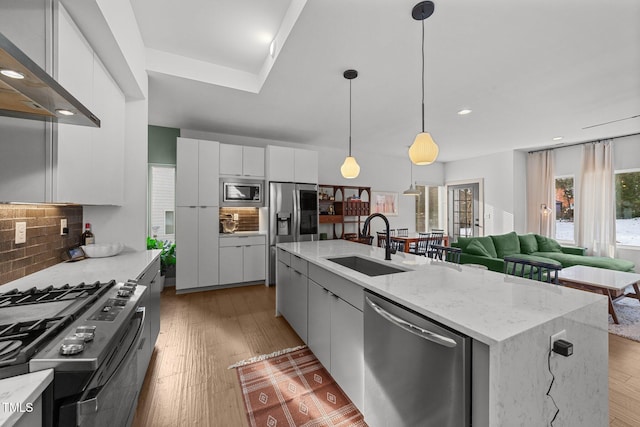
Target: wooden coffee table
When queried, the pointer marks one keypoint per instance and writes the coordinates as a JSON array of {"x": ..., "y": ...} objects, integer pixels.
[{"x": 611, "y": 283}]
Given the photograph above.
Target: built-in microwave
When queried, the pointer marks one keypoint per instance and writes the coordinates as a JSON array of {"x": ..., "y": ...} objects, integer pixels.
[{"x": 241, "y": 192}]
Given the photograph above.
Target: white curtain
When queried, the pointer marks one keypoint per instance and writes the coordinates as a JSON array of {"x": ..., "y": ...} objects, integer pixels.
[
  {"x": 541, "y": 192},
  {"x": 595, "y": 205}
]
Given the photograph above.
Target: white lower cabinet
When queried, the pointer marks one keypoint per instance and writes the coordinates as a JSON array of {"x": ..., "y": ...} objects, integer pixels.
[
  {"x": 242, "y": 259},
  {"x": 292, "y": 293},
  {"x": 336, "y": 337}
]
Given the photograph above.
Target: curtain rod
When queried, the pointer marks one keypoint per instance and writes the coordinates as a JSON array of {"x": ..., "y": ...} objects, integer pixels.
[{"x": 580, "y": 143}]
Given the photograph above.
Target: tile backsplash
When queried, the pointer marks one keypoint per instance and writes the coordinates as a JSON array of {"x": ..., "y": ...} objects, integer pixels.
[
  {"x": 44, "y": 245},
  {"x": 248, "y": 218}
]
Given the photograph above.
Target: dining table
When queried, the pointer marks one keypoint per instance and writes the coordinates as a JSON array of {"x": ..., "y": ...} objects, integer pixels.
[{"x": 413, "y": 238}]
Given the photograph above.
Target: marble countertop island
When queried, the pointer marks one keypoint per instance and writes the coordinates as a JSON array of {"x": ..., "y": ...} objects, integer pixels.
[{"x": 513, "y": 317}]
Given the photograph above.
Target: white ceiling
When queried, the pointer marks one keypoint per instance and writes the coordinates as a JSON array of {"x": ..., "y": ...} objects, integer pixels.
[{"x": 529, "y": 70}]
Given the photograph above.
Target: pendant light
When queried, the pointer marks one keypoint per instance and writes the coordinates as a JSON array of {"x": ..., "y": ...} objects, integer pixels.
[
  {"x": 350, "y": 168},
  {"x": 412, "y": 191},
  {"x": 424, "y": 150}
]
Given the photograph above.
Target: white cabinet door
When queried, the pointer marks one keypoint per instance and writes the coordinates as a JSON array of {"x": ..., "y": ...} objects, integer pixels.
[
  {"x": 319, "y": 325},
  {"x": 254, "y": 263},
  {"x": 283, "y": 289},
  {"x": 231, "y": 261},
  {"x": 208, "y": 223},
  {"x": 253, "y": 161},
  {"x": 298, "y": 311},
  {"x": 187, "y": 172},
  {"x": 187, "y": 242},
  {"x": 208, "y": 174},
  {"x": 347, "y": 349},
  {"x": 280, "y": 163},
  {"x": 305, "y": 166},
  {"x": 231, "y": 159}
]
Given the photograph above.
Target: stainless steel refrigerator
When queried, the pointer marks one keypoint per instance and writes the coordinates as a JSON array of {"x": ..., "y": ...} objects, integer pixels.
[{"x": 293, "y": 217}]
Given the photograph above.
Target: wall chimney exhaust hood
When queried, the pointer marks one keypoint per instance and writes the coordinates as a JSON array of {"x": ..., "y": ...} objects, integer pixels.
[{"x": 27, "y": 91}]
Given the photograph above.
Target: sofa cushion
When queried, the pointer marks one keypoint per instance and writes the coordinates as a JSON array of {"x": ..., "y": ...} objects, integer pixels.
[
  {"x": 506, "y": 244},
  {"x": 528, "y": 243},
  {"x": 568, "y": 260},
  {"x": 475, "y": 248},
  {"x": 546, "y": 244},
  {"x": 486, "y": 241}
]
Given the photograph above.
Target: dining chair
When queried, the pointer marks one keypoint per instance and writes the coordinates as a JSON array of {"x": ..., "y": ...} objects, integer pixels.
[
  {"x": 421, "y": 244},
  {"x": 535, "y": 270},
  {"x": 381, "y": 239},
  {"x": 397, "y": 245},
  {"x": 402, "y": 232},
  {"x": 435, "y": 238},
  {"x": 366, "y": 240},
  {"x": 445, "y": 253}
]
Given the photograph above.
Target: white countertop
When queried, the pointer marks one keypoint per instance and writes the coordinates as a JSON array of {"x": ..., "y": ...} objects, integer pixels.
[
  {"x": 243, "y": 233},
  {"x": 22, "y": 390},
  {"x": 488, "y": 306},
  {"x": 127, "y": 265}
]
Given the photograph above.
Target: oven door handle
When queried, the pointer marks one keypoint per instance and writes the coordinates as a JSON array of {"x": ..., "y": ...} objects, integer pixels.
[{"x": 91, "y": 405}]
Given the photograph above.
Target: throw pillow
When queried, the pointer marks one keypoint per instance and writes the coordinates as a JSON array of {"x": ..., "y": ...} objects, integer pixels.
[
  {"x": 476, "y": 248},
  {"x": 528, "y": 243},
  {"x": 546, "y": 244},
  {"x": 506, "y": 244}
]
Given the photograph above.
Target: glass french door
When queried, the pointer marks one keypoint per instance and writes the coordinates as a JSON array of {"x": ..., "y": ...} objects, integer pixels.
[{"x": 464, "y": 210}]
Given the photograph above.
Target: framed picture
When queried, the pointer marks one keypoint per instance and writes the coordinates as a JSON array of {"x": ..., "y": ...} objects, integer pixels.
[{"x": 384, "y": 202}]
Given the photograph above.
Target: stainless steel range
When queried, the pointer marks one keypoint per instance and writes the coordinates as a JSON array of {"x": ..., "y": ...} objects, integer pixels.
[{"x": 89, "y": 334}]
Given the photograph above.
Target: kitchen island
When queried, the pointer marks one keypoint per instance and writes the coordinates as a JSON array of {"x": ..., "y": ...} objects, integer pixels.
[{"x": 509, "y": 319}]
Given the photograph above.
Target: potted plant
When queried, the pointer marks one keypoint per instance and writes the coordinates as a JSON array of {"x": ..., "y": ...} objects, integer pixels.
[{"x": 167, "y": 256}]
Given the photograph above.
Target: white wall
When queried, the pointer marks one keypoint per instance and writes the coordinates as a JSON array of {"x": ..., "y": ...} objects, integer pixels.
[
  {"x": 502, "y": 175},
  {"x": 381, "y": 173}
]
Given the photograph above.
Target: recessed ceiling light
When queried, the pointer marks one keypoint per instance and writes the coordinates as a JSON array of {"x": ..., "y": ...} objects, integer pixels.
[
  {"x": 64, "y": 112},
  {"x": 272, "y": 48},
  {"x": 464, "y": 112},
  {"x": 557, "y": 138},
  {"x": 12, "y": 74}
]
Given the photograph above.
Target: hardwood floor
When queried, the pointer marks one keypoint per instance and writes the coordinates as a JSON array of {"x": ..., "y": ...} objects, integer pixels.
[{"x": 202, "y": 333}]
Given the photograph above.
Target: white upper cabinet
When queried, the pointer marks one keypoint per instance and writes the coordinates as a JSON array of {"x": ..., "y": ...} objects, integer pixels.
[
  {"x": 90, "y": 161},
  {"x": 292, "y": 164},
  {"x": 238, "y": 160},
  {"x": 305, "y": 166},
  {"x": 197, "y": 173}
]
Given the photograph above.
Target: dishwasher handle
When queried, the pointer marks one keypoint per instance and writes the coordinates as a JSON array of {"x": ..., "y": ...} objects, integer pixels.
[{"x": 409, "y": 327}]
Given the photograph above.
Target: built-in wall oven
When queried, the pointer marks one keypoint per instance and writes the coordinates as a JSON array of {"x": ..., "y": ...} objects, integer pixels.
[{"x": 241, "y": 192}]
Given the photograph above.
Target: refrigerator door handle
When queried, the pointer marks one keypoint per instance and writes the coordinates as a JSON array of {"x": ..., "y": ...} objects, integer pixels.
[{"x": 296, "y": 214}]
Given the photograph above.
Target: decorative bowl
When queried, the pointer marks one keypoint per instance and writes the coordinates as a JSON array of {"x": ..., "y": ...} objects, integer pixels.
[{"x": 101, "y": 250}]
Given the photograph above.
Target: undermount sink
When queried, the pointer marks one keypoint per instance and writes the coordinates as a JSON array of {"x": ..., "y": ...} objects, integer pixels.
[{"x": 366, "y": 266}]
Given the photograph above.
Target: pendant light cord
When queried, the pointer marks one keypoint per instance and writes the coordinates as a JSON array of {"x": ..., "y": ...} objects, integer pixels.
[
  {"x": 350, "y": 118},
  {"x": 422, "y": 76}
]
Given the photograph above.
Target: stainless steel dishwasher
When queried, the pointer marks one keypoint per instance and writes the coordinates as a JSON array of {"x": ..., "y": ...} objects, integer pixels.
[{"x": 417, "y": 372}]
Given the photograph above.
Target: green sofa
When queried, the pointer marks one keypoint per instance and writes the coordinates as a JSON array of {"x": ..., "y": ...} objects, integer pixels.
[{"x": 490, "y": 251}]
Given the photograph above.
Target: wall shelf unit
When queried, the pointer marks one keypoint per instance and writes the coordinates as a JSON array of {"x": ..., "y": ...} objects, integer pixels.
[{"x": 343, "y": 207}]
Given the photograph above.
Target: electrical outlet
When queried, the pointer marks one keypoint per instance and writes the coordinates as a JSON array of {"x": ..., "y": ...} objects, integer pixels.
[
  {"x": 21, "y": 232},
  {"x": 562, "y": 335},
  {"x": 236, "y": 217},
  {"x": 63, "y": 226}
]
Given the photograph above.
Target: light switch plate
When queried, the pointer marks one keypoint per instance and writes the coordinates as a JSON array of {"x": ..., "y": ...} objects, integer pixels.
[{"x": 21, "y": 232}]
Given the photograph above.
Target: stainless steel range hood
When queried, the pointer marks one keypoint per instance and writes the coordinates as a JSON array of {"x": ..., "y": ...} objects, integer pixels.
[{"x": 34, "y": 94}]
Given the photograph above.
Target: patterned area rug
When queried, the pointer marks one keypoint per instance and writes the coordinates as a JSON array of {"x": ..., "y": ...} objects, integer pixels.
[
  {"x": 291, "y": 388},
  {"x": 628, "y": 311}
]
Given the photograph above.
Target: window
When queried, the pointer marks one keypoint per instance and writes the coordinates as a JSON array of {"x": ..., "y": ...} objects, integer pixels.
[
  {"x": 162, "y": 188},
  {"x": 628, "y": 208},
  {"x": 564, "y": 208},
  {"x": 430, "y": 208}
]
